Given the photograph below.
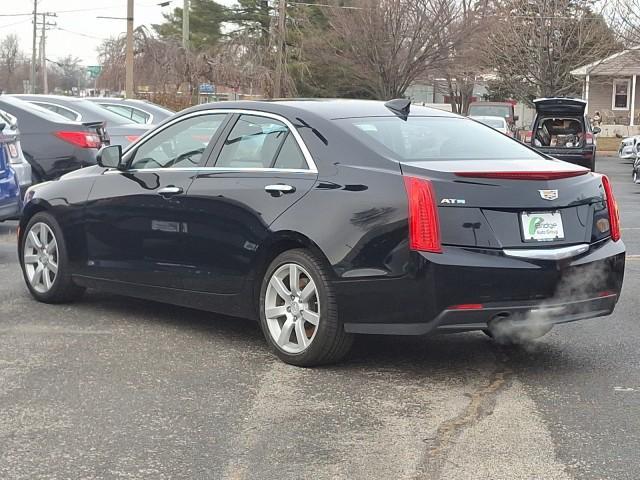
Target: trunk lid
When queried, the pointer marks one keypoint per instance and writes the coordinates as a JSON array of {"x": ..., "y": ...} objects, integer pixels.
[
  {"x": 560, "y": 106},
  {"x": 491, "y": 206}
]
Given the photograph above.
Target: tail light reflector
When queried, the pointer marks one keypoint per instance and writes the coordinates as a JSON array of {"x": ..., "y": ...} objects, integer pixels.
[
  {"x": 612, "y": 207},
  {"x": 588, "y": 138},
  {"x": 524, "y": 175},
  {"x": 467, "y": 306},
  {"x": 80, "y": 139},
  {"x": 424, "y": 225}
]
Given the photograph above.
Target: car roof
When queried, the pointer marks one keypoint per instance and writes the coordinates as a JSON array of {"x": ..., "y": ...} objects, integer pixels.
[{"x": 327, "y": 108}]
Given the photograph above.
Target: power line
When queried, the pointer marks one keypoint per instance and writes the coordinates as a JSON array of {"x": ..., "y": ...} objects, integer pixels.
[{"x": 81, "y": 34}]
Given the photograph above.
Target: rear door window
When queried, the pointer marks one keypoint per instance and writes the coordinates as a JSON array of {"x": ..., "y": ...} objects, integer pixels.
[{"x": 254, "y": 142}]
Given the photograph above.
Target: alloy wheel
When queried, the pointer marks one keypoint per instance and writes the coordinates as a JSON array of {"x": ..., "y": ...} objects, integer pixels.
[
  {"x": 292, "y": 308},
  {"x": 40, "y": 257}
]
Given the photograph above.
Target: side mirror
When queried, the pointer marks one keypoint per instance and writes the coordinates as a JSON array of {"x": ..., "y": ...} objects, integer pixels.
[
  {"x": 110, "y": 157},
  {"x": 516, "y": 118},
  {"x": 596, "y": 130}
]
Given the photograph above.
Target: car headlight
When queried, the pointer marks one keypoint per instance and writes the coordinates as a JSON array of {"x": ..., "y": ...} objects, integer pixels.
[{"x": 31, "y": 191}]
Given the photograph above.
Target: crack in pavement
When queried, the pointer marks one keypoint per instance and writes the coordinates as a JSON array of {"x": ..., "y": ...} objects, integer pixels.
[{"x": 480, "y": 406}]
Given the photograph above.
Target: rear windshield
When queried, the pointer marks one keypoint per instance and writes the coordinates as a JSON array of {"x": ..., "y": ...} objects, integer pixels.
[
  {"x": 490, "y": 110},
  {"x": 435, "y": 138},
  {"x": 492, "y": 122}
]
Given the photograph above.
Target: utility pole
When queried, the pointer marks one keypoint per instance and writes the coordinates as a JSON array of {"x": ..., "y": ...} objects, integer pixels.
[
  {"x": 282, "y": 35},
  {"x": 129, "y": 54},
  {"x": 32, "y": 78},
  {"x": 185, "y": 25},
  {"x": 43, "y": 52}
]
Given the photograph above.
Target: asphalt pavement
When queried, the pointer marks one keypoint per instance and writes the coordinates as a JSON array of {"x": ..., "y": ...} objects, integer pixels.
[{"x": 117, "y": 388}]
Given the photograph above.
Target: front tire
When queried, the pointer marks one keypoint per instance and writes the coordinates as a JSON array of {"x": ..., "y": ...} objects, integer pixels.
[
  {"x": 45, "y": 263},
  {"x": 298, "y": 311}
]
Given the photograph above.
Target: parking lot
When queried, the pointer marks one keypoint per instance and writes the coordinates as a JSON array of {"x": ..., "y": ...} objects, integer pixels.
[{"x": 111, "y": 387}]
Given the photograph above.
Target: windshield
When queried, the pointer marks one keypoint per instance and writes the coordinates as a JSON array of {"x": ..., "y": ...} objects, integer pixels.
[
  {"x": 492, "y": 122},
  {"x": 490, "y": 110},
  {"x": 435, "y": 138}
]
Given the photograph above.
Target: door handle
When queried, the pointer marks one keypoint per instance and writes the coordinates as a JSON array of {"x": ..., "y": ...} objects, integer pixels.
[
  {"x": 279, "y": 189},
  {"x": 170, "y": 191}
]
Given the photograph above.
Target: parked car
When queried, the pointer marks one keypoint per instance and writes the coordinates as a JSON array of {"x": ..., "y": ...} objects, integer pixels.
[
  {"x": 10, "y": 136},
  {"x": 120, "y": 131},
  {"x": 636, "y": 170},
  {"x": 495, "y": 109},
  {"x": 629, "y": 147},
  {"x": 52, "y": 144},
  {"x": 10, "y": 199},
  {"x": 497, "y": 123},
  {"x": 138, "y": 111},
  {"x": 562, "y": 130},
  {"x": 325, "y": 219}
]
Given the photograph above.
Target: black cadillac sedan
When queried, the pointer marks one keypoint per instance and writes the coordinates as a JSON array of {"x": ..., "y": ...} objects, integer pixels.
[{"x": 323, "y": 219}]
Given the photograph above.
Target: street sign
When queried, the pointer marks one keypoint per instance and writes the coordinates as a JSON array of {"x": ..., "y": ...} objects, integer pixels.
[
  {"x": 207, "y": 88},
  {"x": 94, "y": 70}
]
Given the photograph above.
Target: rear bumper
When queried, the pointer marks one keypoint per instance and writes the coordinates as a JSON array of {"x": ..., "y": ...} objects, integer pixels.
[
  {"x": 10, "y": 211},
  {"x": 582, "y": 157},
  {"x": 527, "y": 313},
  {"x": 463, "y": 289}
]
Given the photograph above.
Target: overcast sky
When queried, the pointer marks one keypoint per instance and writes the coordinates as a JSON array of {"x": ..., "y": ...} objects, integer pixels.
[{"x": 79, "y": 32}]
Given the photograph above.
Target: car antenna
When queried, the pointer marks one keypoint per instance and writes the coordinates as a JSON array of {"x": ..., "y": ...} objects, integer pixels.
[{"x": 400, "y": 107}]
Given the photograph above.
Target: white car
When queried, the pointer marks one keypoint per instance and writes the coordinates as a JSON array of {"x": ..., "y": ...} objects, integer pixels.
[
  {"x": 629, "y": 147},
  {"x": 497, "y": 123}
]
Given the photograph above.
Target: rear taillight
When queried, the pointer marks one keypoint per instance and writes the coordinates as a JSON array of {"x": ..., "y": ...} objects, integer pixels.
[
  {"x": 467, "y": 306},
  {"x": 612, "y": 207},
  {"x": 527, "y": 137},
  {"x": 424, "y": 226},
  {"x": 588, "y": 138},
  {"x": 132, "y": 138},
  {"x": 524, "y": 175},
  {"x": 80, "y": 139}
]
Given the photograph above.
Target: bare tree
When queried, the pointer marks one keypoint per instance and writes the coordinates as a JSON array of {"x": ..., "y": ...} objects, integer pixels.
[
  {"x": 10, "y": 61},
  {"x": 539, "y": 43},
  {"x": 464, "y": 65},
  {"x": 388, "y": 44}
]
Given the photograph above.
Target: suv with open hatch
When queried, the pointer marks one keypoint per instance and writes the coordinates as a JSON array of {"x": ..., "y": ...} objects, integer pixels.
[{"x": 562, "y": 130}]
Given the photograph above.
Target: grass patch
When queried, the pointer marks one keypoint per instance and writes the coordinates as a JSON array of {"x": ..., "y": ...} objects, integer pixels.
[{"x": 608, "y": 144}]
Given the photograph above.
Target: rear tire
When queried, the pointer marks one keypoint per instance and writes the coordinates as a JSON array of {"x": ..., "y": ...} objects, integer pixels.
[
  {"x": 299, "y": 317},
  {"x": 45, "y": 262}
]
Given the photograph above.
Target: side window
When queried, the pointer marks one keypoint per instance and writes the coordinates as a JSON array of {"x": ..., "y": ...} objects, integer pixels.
[
  {"x": 59, "y": 110},
  {"x": 70, "y": 114},
  {"x": 180, "y": 145},
  {"x": 254, "y": 142},
  {"x": 122, "y": 111},
  {"x": 290, "y": 155},
  {"x": 139, "y": 116}
]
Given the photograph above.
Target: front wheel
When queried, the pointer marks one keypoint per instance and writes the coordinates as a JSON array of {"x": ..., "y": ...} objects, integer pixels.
[
  {"x": 298, "y": 311},
  {"x": 44, "y": 261}
]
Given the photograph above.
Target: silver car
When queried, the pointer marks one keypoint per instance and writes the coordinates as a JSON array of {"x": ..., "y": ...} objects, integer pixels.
[{"x": 9, "y": 132}]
